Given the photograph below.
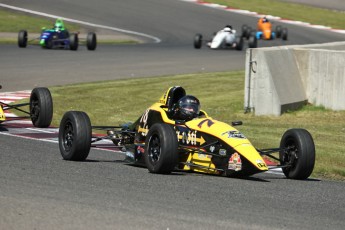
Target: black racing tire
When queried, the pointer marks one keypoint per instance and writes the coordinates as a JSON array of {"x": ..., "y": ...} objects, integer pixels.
[
  {"x": 248, "y": 33},
  {"x": 253, "y": 41},
  {"x": 75, "y": 136},
  {"x": 49, "y": 43},
  {"x": 22, "y": 38},
  {"x": 73, "y": 42},
  {"x": 197, "y": 41},
  {"x": 91, "y": 41},
  {"x": 244, "y": 31},
  {"x": 279, "y": 31},
  {"x": 284, "y": 34},
  {"x": 300, "y": 155},
  {"x": 161, "y": 148},
  {"x": 239, "y": 43},
  {"x": 41, "y": 107}
]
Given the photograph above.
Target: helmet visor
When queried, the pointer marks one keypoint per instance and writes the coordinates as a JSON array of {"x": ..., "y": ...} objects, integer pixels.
[{"x": 190, "y": 109}]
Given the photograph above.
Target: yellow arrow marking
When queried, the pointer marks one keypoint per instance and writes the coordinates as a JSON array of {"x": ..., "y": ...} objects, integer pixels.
[{"x": 201, "y": 140}]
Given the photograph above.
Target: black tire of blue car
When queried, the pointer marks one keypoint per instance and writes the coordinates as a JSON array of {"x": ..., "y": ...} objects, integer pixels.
[
  {"x": 161, "y": 148},
  {"x": 75, "y": 136},
  {"x": 300, "y": 155},
  {"x": 91, "y": 41},
  {"x": 41, "y": 107},
  {"x": 49, "y": 43},
  {"x": 73, "y": 42},
  {"x": 197, "y": 41},
  {"x": 22, "y": 38}
]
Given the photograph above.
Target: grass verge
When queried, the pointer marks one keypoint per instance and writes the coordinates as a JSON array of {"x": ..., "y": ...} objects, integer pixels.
[
  {"x": 297, "y": 12},
  {"x": 14, "y": 21},
  {"x": 221, "y": 96}
]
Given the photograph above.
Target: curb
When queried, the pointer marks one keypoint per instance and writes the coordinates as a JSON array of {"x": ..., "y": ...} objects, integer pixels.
[{"x": 255, "y": 14}]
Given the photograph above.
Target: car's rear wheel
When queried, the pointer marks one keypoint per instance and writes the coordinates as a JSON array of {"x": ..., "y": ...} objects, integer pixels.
[
  {"x": 297, "y": 154},
  {"x": 22, "y": 38},
  {"x": 197, "y": 41},
  {"x": 41, "y": 107},
  {"x": 73, "y": 42},
  {"x": 161, "y": 147},
  {"x": 91, "y": 41},
  {"x": 75, "y": 136},
  {"x": 253, "y": 41}
]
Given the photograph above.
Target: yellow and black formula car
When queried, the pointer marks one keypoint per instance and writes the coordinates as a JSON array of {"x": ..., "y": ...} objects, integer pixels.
[
  {"x": 163, "y": 142},
  {"x": 40, "y": 108}
]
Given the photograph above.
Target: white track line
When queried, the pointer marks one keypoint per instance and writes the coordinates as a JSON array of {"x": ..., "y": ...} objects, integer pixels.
[{"x": 155, "y": 39}]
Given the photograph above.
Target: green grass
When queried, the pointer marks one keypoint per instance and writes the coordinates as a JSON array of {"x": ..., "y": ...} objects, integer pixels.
[
  {"x": 221, "y": 96},
  {"x": 13, "y": 21},
  {"x": 298, "y": 12}
]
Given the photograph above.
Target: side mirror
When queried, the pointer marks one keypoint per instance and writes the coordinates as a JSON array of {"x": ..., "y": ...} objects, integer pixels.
[
  {"x": 179, "y": 122},
  {"x": 236, "y": 123}
]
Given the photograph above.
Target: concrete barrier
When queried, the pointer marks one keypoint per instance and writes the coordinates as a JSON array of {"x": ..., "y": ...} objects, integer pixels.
[{"x": 285, "y": 78}]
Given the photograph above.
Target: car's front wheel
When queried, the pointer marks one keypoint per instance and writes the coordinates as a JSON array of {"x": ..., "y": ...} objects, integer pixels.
[
  {"x": 161, "y": 147},
  {"x": 91, "y": 41},
  {"x": 239, "y": 43},
  {"x": 279, "y": 31},
  {"x": 284, "y": 34},
  {"x": 73, "y": 42},
  {"x": 244, "y": 31},
  {"x": 75, "y": 136},
  {"x": 298, "y": 154}
]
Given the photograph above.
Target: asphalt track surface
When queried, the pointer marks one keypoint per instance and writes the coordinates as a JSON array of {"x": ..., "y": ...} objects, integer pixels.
[
  {"x": 174, "y": 22},
  {"x": 38, "y": 190}
]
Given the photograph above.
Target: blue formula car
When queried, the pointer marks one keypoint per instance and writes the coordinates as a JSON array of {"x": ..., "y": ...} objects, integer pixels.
[{"x": 58, "y": 38}]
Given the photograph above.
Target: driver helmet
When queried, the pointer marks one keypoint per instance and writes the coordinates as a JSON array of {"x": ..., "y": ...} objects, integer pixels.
[
  {"x": 228, "y": 28},
  {"x": 58, "y": 25},
  {"x": 264, "y": 19},
  {"x": 187, "y": 108}
]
